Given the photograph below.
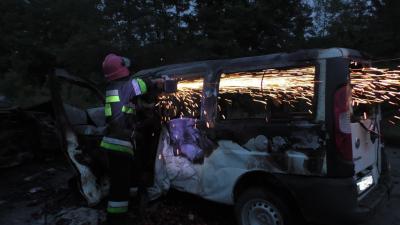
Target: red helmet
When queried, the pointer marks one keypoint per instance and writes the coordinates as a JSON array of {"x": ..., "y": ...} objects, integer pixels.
[{"x": 114, "y": 67}]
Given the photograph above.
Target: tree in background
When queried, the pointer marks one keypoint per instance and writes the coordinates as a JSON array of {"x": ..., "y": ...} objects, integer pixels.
[
  {"x": 38, "y": 35},
  {"x": 41, "y": 34},
  {"x": 237, "y": 28},
  {"x": 384, "y": 32},
  {"x": 367, "y": 25},
  {"x": 349, "y": 25}
]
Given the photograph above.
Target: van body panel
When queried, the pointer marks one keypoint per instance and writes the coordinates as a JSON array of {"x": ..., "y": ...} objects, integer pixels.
[
  {"x": 365, "y": 147},
  {"x": 335, "y": 200},
  {"x": 320, "y": 90},
  {"x": 216, "y": 177}
]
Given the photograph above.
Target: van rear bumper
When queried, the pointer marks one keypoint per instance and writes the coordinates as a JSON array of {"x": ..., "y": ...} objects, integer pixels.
[
  {"x": 334, "y": 200},
  {"x": 368, "y": 206}
]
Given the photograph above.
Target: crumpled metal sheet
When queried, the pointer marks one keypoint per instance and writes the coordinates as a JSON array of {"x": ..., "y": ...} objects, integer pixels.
[
  {"x": 215, "y": 178},
  {"x": 259, "y": 143},
  {"x": 306, "y": 140},
  {"x": 75, "y": 115},
  {"x": 172, "y": 171},
  {"x": 97, "y": 116},
  {"x": 211, "y": 180},
  {"x": 92, "y": 189}
]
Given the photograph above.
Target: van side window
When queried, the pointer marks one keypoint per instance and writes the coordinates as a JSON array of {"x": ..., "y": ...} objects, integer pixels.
[
  {"x": 186, "y": 102},
  {"x": 269, "y": 94}
]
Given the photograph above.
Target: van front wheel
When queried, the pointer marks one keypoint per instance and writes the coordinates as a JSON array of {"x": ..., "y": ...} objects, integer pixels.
[{"x": 258, "y": 206}]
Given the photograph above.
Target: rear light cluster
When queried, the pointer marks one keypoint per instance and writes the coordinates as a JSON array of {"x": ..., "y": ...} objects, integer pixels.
[
  {"x": 342, "y": 107},
  {"x": 364, "y": 183}
]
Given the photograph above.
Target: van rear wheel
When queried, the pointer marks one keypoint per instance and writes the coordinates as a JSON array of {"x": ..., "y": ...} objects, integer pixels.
[{"x": 258, "y": 206}]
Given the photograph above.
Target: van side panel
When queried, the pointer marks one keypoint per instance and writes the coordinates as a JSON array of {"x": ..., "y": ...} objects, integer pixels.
[
  {"x": 337, "y": 75},
  {"x": 322, "y": 200}
]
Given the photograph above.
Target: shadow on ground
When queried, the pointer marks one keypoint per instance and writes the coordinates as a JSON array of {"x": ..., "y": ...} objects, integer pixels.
[{"x": 42, "y": 193}]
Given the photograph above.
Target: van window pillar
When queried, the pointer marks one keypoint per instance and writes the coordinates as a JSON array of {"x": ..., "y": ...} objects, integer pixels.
[
  {"x": 209, "y": 105},
  {"x": 320, "y": 77}
]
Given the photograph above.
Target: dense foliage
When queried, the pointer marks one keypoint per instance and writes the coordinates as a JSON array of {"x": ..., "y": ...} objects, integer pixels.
[{"x": 38, "y": 35}]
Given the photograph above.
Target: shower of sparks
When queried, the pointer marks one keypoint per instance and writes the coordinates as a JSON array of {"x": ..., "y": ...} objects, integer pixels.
[
  {"x": 284, "y": 87},
  {"x": 184, "y": 103},
  {"x": 372, "y": 85}
]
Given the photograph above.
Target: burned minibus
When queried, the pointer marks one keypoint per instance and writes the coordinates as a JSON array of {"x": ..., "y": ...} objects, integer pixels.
[{"x": 278, "y": 136}]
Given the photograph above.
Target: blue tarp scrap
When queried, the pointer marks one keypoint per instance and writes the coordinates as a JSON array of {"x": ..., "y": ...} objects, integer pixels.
[{"x": 187, "y": 139}]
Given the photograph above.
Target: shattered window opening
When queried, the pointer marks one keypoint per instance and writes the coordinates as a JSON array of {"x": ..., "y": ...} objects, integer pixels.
[{"x": 269, "y": 94}]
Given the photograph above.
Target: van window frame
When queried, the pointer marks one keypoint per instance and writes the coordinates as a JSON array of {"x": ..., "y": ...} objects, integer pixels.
[{"x": 314, "y": 100}]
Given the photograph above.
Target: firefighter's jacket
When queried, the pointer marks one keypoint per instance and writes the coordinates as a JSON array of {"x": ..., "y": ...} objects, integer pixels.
[{"x": 120, "y": 111}]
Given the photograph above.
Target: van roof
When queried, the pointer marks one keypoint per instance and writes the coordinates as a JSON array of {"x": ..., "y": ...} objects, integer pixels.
[{"x": 252, "y": 63}]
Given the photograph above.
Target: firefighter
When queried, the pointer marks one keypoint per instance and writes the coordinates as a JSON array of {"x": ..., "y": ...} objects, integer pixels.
[{"x": 122, "y": 93}]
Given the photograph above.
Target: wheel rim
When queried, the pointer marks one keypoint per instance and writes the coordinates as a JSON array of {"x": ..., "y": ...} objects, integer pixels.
[{"x": 260, "y": 212}]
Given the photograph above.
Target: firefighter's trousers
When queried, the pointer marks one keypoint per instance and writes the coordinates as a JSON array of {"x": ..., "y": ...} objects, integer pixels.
[{"x": 120, "y": 169}]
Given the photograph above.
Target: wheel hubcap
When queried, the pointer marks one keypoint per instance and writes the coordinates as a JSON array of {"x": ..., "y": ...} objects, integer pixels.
[{"x": 260, "y": 212}]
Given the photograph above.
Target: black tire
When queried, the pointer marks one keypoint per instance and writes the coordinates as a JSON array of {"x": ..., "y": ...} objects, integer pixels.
[{"x": 258, "y": 205}]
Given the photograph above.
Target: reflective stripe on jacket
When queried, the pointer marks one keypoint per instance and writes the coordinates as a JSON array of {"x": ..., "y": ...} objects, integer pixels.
[{"x": 120, "y": 112}]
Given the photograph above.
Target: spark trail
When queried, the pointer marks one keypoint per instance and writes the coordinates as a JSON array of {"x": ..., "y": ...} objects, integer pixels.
[{"x": 287, "y": 87}]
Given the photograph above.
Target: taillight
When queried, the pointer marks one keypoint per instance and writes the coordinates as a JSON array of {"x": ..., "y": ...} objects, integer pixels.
[{"x": 342, "y": 107}]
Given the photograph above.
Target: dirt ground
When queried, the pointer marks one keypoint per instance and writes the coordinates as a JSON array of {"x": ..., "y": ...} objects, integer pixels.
[
  {"x": 390, "y": 213},
  {"x": 43, "y": 193}
]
